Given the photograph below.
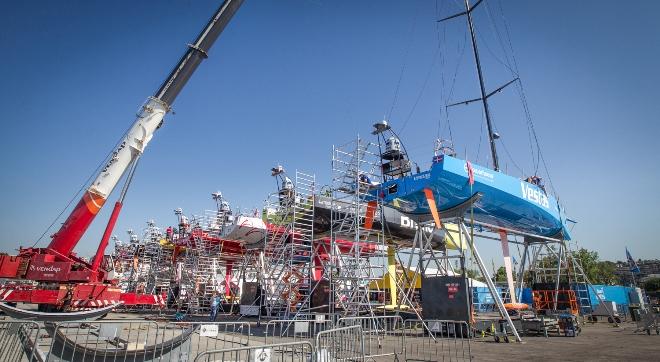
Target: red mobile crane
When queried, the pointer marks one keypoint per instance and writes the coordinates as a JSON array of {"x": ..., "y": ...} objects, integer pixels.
[{"x": 55, "y": 277}]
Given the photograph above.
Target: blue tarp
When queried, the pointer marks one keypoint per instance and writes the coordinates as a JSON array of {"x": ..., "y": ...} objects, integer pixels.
[
  {"x": 527, "y": 296},
  {"x": 614, "y": 293},
  {"x": 483, "y": 301}
]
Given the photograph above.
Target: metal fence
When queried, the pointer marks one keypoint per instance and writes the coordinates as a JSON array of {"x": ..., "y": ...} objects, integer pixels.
[
  {"x": 437, "y": 340},
  {"x": 142, "y": 340},
  {"x": 383, "y": 335},
  {"x": 301, "y": 351},
  {"x": 18, "y": 341},
  {"x": 201, "y": 336},
  {"x": 355, "y": 339},
  {"x": 299, "y": 330},
  {"x": 340, "y": 344},
  {"x": 104, "y": 341}
]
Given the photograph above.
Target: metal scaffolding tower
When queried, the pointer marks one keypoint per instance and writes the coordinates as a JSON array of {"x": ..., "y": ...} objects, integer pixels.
[
  {"x": 204, "y": 267},
  {"x": 358, "y": 254},
  {"x": 144, "y": 265},
  {"x": 287, "y": 256},
  {"x": 555, "y": 263}
]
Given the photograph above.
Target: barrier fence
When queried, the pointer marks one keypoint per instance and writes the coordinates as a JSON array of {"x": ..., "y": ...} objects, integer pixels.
[
  {"x": 142, "y": 340},
  {"x": 302, "y": 351},
  {"x": 353, "y": 339},
  {"x": 104, "y": 340},
  {"x": 437, "y": 340},
  {"x": 203, "y": 336},
  {"x": 340, "y": 344},
  {"x": 18, "y": 339},
  {"x": 383, "y": 335},
  {"x": 298, "y": 330}
]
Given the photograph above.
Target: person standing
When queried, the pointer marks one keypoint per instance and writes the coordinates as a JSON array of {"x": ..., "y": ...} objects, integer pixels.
[{"x": 215, "y": 303}]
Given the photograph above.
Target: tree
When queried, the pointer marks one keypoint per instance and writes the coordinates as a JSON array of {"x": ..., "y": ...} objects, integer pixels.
[
  {"x": 500, "y": 275},
  {"x": 598, "y": 272},
  {"x": 470, "y": 273},
  {"x": 606, "y": 273},
  {"x": 473, "y": 274},
  {"x": 652, "y": 285}
]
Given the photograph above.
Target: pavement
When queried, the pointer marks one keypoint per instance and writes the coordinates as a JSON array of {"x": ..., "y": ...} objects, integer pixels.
[{"x": 597, "y": 342}]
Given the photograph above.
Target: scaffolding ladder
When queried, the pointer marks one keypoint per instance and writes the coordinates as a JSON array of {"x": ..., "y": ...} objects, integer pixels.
[
  {"x": 358, "y": 251},
  {"x": 288, "y": 249}
]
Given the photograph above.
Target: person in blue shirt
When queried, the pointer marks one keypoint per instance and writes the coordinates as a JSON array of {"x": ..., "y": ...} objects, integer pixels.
[{"x": 215, "y": 304}]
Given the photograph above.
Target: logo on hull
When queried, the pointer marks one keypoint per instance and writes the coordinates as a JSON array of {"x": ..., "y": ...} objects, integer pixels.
[{"x": 534, "y": 195}]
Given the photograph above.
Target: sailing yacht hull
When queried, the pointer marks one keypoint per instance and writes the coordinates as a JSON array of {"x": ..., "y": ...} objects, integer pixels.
[{"x": 505, "y": 200}]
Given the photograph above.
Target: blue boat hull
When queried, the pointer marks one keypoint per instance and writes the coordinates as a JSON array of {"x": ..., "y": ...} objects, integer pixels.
[{"x": 505, "y": 200}]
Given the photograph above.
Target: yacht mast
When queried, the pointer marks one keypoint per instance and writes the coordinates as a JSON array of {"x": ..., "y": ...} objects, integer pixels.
[{"x": 484, "y": 99}]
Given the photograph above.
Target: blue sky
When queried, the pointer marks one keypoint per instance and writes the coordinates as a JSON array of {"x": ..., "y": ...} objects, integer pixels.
[{"x": 288, "y": 79}]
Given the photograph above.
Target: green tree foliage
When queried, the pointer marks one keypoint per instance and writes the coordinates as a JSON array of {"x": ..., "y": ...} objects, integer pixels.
[
  {"x": 473, "y": 274},
  {"x": 470, "y": 273},
  {"x": 606, "y": 273},
  {"x": 500, "y": 275},
  {"x": 652, "y": 285},
  {"x": 598, "y": 272}
]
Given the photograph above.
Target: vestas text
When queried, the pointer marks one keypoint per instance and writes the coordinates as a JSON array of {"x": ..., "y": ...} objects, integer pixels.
[{"x": 534, "y": 195}]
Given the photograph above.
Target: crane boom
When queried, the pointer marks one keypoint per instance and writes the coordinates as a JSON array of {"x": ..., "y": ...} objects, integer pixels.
[{"x": 136, "y": 139}]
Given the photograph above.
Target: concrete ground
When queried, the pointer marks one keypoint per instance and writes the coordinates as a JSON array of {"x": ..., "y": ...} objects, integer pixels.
[{"x": 597, "y": 342}]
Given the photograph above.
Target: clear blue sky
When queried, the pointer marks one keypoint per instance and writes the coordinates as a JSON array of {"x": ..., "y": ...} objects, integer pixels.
[{"x": 287, "y": 79}]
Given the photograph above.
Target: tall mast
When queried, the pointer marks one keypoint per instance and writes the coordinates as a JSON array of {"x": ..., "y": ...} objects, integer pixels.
[{"x": 484, "y": 98}]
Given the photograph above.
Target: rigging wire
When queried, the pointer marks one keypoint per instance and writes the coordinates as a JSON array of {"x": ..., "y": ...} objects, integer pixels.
[
  {"x": 523, "y": 99},
  {"x": 441, "y": 42},
  {"x": 493, "y": 120},
  {"x": 453, "y": 84},
  {"x": 421, "y": 92},
  {"x": 404, "y": 63},
  {"x": 513, "y": 67},
  {"x": 428, "y": 74},
  {"x": 514, "y": 73},
  {"x": 481, "y": 136}
]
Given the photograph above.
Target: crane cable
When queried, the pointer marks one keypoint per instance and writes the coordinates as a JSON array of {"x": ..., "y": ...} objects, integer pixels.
[{"x": 84, "y": 185}]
